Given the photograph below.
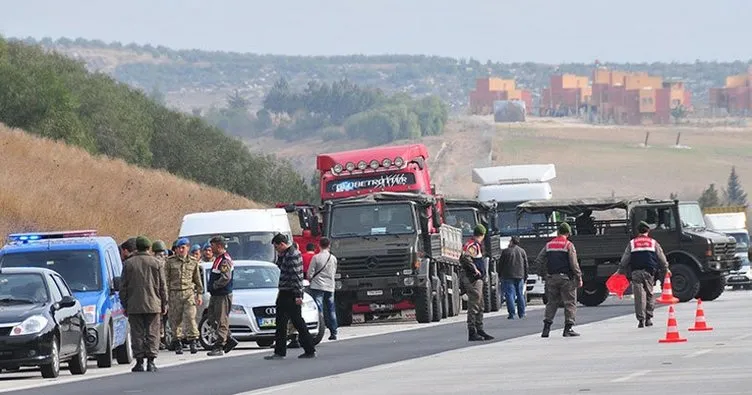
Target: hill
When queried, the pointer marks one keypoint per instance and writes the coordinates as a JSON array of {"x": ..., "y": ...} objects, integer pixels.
[
  {"x": 48, "y": 185},
  {"x": 194, "y": 79}
]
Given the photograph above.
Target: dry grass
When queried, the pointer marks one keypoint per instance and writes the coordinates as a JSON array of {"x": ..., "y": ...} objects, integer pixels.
[{"x": 45, "y": 186}]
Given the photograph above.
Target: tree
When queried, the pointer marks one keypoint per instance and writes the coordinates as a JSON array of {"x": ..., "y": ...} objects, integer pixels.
[
  {"x": 237, "y": 102},
  {"x": 734, "y": 195},
  {"x": 709, "y": 197}
]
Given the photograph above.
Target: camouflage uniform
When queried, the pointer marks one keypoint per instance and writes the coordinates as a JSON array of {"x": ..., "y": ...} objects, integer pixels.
[
  {"x": 557, "y": 263},
  {"x": 158, "y": 248},
  {"x": 473, "y": 272},
  {"x": 184, "y": 282}
]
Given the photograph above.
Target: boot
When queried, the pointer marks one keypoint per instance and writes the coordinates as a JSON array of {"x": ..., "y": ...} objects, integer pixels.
[
  {"x": 546, "y": 329},
  {"x": 484, "y": 335},
  {"x": 641, "y": 324},
  {"x": 230, "y": 344},
  {"x": 194, "y": 346},
  {"x": 216, "y": 350},
  {"x": 177, "y": 345},
  {"x": 294, "y": 342},
  {"x": 150, "y": 366},
  {"x": 139, "y": 365},
  {"x": 648, "y": 322},
  {"x": 473, "y": 335},
  {"x": 568, "y": 332}
]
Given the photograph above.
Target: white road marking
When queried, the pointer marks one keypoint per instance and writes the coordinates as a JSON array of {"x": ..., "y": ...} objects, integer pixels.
[
  {"x": 631, "y": 376},
  {"x": 742, "y": 337},
  {"x": 698, "y": 353},
  {"x": 270, "y": 390}
]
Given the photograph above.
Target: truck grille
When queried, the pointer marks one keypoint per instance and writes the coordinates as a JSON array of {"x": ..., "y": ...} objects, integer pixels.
[
  {"x": 373, "y": 265},
  {"x": 724, "y": 250}
]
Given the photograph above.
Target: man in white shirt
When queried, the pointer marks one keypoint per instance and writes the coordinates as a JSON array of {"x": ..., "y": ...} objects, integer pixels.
[{"x": 321, "y": 276}]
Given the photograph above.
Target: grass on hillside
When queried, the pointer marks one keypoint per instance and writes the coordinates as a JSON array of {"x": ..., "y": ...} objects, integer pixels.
[{"x": 46, "y": 186}]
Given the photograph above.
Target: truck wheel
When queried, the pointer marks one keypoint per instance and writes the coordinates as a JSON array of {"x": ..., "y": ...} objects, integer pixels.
[
  {"x": 684, "y": 282},
  {"x": 487, "y": 294},
  {"x": 712, "y": 289},
  {"x": 495, "y": 293},
  {"x": 593, "y": 293},
  {"x": 444, "y": 296},
  {"x": 424, "y": 304},
  {"x": 344, "y": 314},
  {"x": 455, "y": 305},
  {"x": 437, "y": 299}
]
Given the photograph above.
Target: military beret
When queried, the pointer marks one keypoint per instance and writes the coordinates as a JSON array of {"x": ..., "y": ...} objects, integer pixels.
[
  {"x": 564, "y": 229},
  {"x": 182, "y": 242},
  {"x": 195, "y": 248},
  {"x": 142, "y": 243}
]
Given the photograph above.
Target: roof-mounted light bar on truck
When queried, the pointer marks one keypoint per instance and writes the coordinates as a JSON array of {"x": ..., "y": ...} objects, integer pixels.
[
  {"x": 27, "y": 237},
  {"x": 363, "y": 165}
]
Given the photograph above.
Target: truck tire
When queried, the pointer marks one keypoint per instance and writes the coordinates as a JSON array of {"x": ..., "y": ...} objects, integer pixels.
[
  {"x": 684, "y": 282},
  {"x": 424, "y": 304},
  {"x": 495, "y": 292},
  {"x": 437, "y": 299},
  {"x": 455, "y": 305},
  {"x": 444, "y": 296},
  {"x": 487, "y": 293},
  {"x": 712, "y": 289},
  {"x": 592, "y": 293}
]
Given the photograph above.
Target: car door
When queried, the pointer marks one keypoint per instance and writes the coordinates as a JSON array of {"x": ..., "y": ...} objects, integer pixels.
[
  {"x": 62, "y": 317},
  {"x": 77, "y": 320},
  {"x": 119, "y": 320}
]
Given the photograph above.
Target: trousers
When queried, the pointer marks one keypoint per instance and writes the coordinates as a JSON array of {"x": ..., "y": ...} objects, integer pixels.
[
  {"x": 219, "y": 316},
  {"x": 514, "y": 293},
  {"x": 182, "y": 315},
  {"x": 288, "y": 310},
  {"x": 475, "y": 304},
  {"x": 325, "y": 301},
  {"x": 642, "y": 289},
  {"x": 561, "y": 289},
  {"x": 145, "y": 334}
]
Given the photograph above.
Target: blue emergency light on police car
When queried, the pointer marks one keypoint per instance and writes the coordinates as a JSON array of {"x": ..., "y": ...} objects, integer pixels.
[{"x": 91, "y": 267}]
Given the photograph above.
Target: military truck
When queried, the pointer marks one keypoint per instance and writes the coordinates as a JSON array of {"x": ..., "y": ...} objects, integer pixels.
[
  {"x": 466, "y": 214},
  {"x": 699, "y": 258},
  {"x": 394, "y": 253}
]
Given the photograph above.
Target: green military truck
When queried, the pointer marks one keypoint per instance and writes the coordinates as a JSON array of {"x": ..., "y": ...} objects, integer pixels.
[
  {"x": 394, "y": 253},
  {"x": 466, "y": 214},
  {"x": 699, "y": 259}
]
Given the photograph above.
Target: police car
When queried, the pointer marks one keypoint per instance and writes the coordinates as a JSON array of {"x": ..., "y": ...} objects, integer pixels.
[{"x": 91, "y": 267}]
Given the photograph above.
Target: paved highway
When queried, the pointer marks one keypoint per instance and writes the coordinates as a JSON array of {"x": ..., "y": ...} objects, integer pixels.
[{"x": 240, "y": 373}]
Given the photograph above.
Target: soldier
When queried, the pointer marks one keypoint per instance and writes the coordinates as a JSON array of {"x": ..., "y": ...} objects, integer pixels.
[
  {"x": 207, "y": 255},
  {"x": 196, "y": 252},
  {"x": 220, "y": 303},
  {"x": 640, "y": 263},
  {"x": 185, "y": 289},
  {"x": 143, "y": 293},
  {"x": 557, "y": 263},
  {"x": 160, "y": 252},
  {"x": 473, "y": 274}
]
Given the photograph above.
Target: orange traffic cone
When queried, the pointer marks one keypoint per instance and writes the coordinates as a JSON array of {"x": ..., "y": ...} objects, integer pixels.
[
  {"x": 700, "y": 324},
  {"x": 667, "y": 296},
  {"x": 672, "y": 332}
]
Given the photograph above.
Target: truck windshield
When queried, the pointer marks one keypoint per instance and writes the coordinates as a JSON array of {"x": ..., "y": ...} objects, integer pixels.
[
  {"x": 246, "y": 246},
  {"x": 742, "y": 241},
  {"x": 463, "y": 219},
  {"x": 372, "y": 219},
  {"x": 508, "y": 224},
  {"x": 80, "y": 268},
  {"x": 691, "y": 216}
]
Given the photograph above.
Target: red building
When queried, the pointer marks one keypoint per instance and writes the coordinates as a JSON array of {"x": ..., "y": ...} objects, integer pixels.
[
  {"x": 736, "y": 96},
  {"x": 490, "y": 89},
  {"x": 565, "y": 95}
]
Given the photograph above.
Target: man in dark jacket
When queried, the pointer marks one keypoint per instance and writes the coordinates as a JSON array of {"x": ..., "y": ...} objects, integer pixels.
[
  {"x": 290, "y": 299},
  {"x": 513, "y": 267},
  {"x": 220, "y": 302},
  {"x": 143, "y": 293}
]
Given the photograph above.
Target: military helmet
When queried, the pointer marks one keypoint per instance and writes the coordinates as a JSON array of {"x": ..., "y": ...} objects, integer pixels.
[{"x": 158, "y": 246}]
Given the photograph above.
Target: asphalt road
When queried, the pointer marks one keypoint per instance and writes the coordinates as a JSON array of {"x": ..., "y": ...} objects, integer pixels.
[{"x": 232, "y": 375}]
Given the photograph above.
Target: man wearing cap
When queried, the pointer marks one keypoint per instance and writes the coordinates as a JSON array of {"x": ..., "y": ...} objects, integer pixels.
[
  {"x": 183, "y": 275},
  {"x": 220, "y": 303},
  {"x": 196, "y": 252},
  {"x": 159, "y": 250},
  {"x": 290, "y": 299},
  {"x": 642, "y": 259},
  {"x": 557, "y": 263},
  {"x": 207, "y": 256},
  {"x": 473, "y": 273},
  {"x": 143, "y": 293}
]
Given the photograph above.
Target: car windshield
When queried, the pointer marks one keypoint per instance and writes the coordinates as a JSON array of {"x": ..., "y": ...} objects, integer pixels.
[
  {"x": 691, "y": 216},
  {"x": 508, "y": 225},
  {"x": 463, "y": 219},
  {"x": 79, "y": 268},
  {"x": 247, "y": 246},
  {"x": 253, "y": 277},
  {"x": 742, "y": 241},
  {"x": 372, "y": 219},
  {"x": 22, "y": 288}
]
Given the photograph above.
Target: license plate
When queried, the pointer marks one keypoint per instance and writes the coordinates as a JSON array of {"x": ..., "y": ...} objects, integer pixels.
[
  {"x": 738, "y": 278},
  {"x": 375, "y": 292},
  {"x": 267, "y": 322}
]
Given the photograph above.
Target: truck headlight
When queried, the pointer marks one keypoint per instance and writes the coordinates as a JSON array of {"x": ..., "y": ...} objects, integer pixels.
[
  {"x": 90, "y": 314},
  {"x": 409, "y": 281},
  {"x": 30, "y": 326},
  {"x": 237, "y": 309}
]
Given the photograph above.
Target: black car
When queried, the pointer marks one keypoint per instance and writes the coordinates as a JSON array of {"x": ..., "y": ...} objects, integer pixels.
[{"x": 41, "y": 323}]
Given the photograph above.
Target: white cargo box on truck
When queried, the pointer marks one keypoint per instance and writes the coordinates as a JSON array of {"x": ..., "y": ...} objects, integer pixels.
[{"x": 272, "y": 220}]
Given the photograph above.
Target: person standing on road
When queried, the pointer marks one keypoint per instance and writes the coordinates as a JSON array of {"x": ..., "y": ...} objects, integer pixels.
[
  {"x": 196, "y": 252},
  {"x": 642, "y": 259},
  {"x": 557, "y": 263},
  {"x": 513, "y": 269},
  {"x": 220, "y": 303},
  {"x": 290, "y": 299},
  {"x": 159, "y": 250},
  {"x": 472, "y": 278},
  {"x": 143, "y": 293},
  {"x": 127, "y": 249},
  {"x": 185, "y": 289},
  {"x": 307, "y": 257},
  {"x": 207, "y": 255},
  {"x": 321, "y": 274}
]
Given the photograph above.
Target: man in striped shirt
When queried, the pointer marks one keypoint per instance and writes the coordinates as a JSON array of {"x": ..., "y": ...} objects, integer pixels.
[{"x": 290, "y": 299}]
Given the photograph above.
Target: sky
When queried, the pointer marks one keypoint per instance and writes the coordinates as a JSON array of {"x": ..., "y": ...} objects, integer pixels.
[{"x": 548, "y": 31}]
